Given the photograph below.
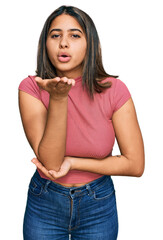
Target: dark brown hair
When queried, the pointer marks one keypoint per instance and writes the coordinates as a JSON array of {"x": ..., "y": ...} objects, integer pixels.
[{"x": 93, "y": 70}]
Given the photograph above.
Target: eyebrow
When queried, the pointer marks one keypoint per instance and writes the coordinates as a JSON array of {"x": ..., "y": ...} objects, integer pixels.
[{"x": 70, "y": 30}]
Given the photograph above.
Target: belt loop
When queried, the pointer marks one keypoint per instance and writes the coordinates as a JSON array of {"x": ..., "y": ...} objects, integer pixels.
[
  {"x": 89, "y": 190},
  {"x": 46, "y": 185}
]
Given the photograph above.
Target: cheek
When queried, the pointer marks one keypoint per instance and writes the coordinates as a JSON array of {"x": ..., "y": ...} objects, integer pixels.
[
  {"x": 51, "y": 48},
  {"x": 82, "y": 51},
  {"x": 48, "y": 47},
  {"x": 51, "y": 51}
]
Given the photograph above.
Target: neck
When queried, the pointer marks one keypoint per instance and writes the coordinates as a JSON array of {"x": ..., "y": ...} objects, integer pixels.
[{"x": 70, "y": 74}]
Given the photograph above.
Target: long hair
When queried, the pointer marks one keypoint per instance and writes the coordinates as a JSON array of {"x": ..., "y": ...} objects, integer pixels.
[{"x": 93, "y": 71}]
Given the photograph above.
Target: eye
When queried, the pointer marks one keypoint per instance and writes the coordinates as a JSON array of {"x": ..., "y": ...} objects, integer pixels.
[
  {"x": 55, "y": 36},
  {"x": 75, "y": 36}
]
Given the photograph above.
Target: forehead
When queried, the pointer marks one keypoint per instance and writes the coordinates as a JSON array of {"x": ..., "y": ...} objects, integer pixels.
[{"x": 65, "y": 21}]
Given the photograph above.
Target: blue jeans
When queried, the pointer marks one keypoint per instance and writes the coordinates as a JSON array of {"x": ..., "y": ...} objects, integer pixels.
[{"x": 56, "y": 212}]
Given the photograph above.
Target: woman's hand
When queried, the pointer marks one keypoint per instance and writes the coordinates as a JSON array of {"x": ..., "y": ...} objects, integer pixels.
[
  {"x": 64, "y": 169},
  {"x": 57, "y": 87}
]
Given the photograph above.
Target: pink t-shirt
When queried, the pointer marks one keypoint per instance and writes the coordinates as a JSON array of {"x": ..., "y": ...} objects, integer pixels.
[{"x": 90, "y": 133}]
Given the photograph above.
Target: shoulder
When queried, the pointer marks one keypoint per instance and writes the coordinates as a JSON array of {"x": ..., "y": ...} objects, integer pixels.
[
  {"x": 117, "y": 85},
  {"x": 28, "y": 81},
  {"x": 118, "y": 93},
  {"x": 30, "y": 86},
  {"x": 116, "y": 82}
]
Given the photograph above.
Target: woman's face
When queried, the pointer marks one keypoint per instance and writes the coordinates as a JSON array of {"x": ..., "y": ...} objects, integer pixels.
[{"x": 66, "y": 46}]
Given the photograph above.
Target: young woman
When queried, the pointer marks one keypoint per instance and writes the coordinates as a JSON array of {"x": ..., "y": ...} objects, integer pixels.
[{"x": 71, "y": 111}]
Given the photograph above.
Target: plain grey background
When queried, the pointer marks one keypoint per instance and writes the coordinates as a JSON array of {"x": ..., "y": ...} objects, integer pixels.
[{"x": 131, "y": 37}]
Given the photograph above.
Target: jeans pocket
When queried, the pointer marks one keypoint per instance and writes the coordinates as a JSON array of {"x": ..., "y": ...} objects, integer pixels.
[
  {"x": 104, "y": 191},
  {"x": 36, "y": 187}
]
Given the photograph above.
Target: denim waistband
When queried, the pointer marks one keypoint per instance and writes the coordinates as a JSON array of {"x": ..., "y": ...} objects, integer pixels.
[{"x": 95, "y": 184}]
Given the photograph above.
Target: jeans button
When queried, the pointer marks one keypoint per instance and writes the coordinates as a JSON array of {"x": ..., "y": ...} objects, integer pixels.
[{"x": 72, "y": 191}]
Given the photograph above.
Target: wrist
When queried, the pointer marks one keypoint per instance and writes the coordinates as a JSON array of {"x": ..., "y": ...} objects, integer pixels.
[
  {"x": 73, "y": 161},
  {"x": 58, "y": 98}
]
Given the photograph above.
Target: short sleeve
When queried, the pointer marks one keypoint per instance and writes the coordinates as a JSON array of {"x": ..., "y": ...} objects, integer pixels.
[
  {"x": 121, "y": 95},
  {"x": 30, "y": 86}
]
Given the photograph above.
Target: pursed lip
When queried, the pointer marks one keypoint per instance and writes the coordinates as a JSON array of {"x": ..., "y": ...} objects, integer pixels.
[
  {"x": 64, "y": 54},
  {"x": 64, "y": 57}
]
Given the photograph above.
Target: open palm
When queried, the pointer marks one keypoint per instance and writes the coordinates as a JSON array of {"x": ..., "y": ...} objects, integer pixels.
[{"x": 52, "y": 174}]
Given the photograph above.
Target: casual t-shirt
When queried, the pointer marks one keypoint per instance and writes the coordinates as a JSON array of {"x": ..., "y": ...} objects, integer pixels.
[{"x": 90, "y": 133}]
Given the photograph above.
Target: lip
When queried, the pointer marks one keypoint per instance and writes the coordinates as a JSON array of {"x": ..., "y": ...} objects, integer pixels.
[
  {"x": 63, "y": 53},
  {"x": 62, "y": 58}
]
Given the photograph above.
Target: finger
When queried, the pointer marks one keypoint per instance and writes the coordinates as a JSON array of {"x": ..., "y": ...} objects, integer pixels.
[
  {"x": 52, "y": 173},
  {"x": 42, "y": 168},
  {"x": 71, "y": 81},
  {"x": 64, "y": 79},
  {"x": 56, "y": 174},
  {"x": 39, "y": 82},
  {"x": 39, "y": 165},
  {"x": 53, "y": 82},
  {"x": 43, "y": 82},
  {"x": 38, "y": 79},
  {"x": 57, "y": 79}
]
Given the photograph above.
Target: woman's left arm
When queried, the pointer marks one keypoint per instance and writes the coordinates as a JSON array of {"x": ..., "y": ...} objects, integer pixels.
[
  {"x": 132, "y": 159},
  {"x": 131, "y": 162}
]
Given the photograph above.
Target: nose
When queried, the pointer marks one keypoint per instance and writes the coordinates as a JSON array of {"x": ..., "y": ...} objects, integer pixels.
[{"x": 63, "y": 43}]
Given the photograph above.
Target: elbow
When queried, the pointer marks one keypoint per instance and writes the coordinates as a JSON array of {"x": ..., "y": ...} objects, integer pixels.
[
  {"x": 141, "y": 167},
  {"x": 137, "y": 167},
  {"x": 49, "y": 162},
  {"x": 139, "y": 172},
  {"x": 50, "y": 165}
]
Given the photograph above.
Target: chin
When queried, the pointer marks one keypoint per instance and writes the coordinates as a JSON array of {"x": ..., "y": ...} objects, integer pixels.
[{"x": 67, "y": 69}]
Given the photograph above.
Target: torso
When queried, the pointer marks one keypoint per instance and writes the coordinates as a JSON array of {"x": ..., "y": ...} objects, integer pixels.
[{"x": 72, "y": 184}]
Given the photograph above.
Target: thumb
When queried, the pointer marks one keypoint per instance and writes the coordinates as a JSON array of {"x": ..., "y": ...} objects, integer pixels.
[
  {"x": 53, "y": 173},
  {"x": 39, "y": 82},
  {"x": 38, "y": 79},
  {"x": 34, "y": 160}
]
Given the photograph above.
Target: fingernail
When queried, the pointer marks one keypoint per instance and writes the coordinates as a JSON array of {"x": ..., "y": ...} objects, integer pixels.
[
  {"x": 50, "y": 172},
  {"x": 36, "y": 78}
]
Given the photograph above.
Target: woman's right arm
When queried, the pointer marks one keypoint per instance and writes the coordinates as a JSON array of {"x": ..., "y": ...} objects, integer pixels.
[{"x": 46, "y": 130}]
